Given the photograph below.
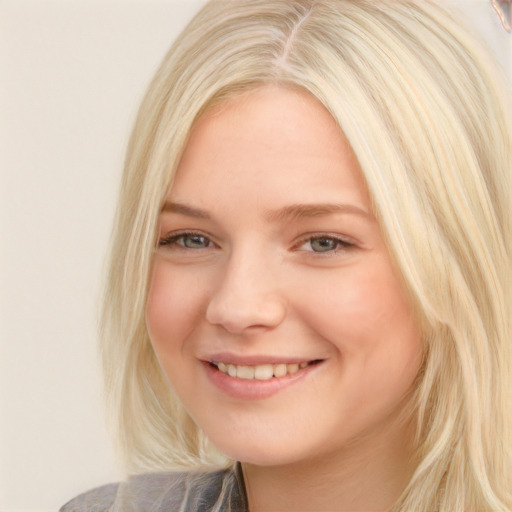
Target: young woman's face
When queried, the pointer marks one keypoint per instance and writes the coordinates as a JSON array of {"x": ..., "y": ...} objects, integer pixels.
[{"x": 274, "y": 309}]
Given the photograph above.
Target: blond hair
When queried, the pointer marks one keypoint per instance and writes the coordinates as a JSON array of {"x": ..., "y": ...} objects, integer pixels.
[{"x": 421, "y": 105}]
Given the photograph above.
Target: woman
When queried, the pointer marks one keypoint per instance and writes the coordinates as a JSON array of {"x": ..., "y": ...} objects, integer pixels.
[{"x": 311, "y": 267}]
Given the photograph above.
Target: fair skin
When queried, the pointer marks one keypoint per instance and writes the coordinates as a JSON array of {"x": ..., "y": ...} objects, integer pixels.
[{"x": 275, "y": 310}]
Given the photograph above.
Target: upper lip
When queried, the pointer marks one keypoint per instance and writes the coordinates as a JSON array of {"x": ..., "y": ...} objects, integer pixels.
[{"x": 253, "y": 360}]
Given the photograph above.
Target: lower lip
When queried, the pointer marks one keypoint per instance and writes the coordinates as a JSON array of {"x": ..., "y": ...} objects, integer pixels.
[{"x": 254, "y": 389}]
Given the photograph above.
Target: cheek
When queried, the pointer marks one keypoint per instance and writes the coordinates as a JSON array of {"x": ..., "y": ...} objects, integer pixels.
[
  {"x": 364, "y": 312},
  {"x": 173, "y": 306},
  {"x": 377, "y": 343}
]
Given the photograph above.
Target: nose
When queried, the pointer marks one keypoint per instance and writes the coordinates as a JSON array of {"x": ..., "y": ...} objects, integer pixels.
[{"x": 247, "y": 297}]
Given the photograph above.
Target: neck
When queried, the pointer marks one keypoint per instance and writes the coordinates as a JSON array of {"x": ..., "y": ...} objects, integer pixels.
[{"x": 368, "y": 475}]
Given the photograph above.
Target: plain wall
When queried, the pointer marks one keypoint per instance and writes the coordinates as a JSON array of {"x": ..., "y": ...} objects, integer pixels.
[{"x": 71, "y": 76}]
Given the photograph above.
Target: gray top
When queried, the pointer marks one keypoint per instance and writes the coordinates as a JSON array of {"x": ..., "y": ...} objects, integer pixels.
[{"x": 219, "y": 491}]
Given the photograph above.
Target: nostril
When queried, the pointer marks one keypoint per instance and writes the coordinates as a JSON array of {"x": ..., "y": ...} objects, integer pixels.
[{"x": 239, "y": 312}]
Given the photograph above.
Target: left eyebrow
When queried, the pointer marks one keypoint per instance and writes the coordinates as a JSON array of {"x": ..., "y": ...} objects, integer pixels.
[{"x": 301, "y": 211}]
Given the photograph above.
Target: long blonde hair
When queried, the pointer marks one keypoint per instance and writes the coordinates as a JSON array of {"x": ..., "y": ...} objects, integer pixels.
[{"x": 422, "y": 107}]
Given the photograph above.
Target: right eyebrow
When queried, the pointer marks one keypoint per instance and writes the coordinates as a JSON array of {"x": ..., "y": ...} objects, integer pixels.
[{"x": 183, "y": 209}]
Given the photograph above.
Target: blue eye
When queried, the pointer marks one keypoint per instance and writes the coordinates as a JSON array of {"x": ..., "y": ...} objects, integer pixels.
[
  {"x": 324, "y": 244},
  {"x": 186, "y": 241}
]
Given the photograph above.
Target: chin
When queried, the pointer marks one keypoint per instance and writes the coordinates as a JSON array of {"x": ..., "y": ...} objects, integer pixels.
[
  {"x": 257, "y": 458},
  {"x": 262, "y": 453}
]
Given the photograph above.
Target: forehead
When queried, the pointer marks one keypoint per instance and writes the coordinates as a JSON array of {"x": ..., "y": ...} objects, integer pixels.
[
  {"x": 270, "y": 139},
  {"x": 272, "y": 115}
]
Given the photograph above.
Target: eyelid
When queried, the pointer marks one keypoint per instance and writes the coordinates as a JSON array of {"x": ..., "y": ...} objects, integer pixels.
[
  {"x": 345, "y": 242},
  {"x": 168, "y": 239}
]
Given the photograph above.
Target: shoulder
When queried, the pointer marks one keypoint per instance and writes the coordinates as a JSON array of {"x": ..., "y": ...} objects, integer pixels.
[
  {"x": 159, "y": 492},
  {"x": 95, "y": 500}
]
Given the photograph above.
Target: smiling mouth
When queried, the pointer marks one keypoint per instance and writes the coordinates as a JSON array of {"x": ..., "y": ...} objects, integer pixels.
[{"x": 261, "y": 371}]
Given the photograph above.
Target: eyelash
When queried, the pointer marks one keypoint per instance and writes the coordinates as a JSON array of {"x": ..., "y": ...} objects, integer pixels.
[
  {"x": 340, "y": 244},
  {"x": 173, "y": 240}
]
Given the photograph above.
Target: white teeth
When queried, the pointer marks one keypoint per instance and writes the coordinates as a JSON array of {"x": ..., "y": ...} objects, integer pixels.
[
  {"x": 292, "y": 368},
  {"x": 260, "y": 371},
  {"x": 263, "y": 372},
  {"x": 245, "y": 372},
  {"x": 280, "y": 370}
]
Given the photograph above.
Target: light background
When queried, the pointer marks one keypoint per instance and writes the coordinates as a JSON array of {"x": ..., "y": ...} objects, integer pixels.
[{"x": 72, "y": 73}]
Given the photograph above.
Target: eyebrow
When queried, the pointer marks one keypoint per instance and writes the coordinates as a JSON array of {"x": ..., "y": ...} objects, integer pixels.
[
  {"x": 288, "y": 213},
  {"x": 301, "y": 211},
  {"x": 183, "y": 209}
]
